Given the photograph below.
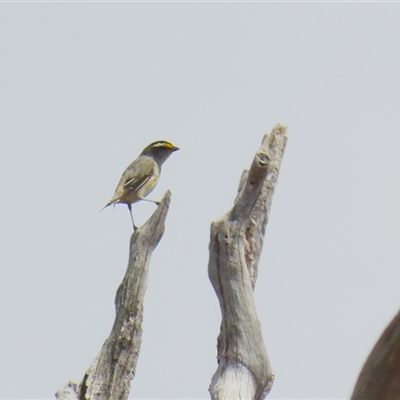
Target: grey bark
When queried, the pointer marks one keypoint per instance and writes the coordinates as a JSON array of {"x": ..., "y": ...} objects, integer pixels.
[
  {"x": 244, "y": 371},
  {"x": 110, "y": 374},
  {"x": 380, "y": 376}
]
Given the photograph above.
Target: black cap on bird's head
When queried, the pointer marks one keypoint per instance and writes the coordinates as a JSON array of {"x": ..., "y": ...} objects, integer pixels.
[{"x": 159, "y": 150}]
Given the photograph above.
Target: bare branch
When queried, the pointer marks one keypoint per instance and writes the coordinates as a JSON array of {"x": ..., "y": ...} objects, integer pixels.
[
  {"x": 69, "y": 392},
  {"x": 380, "y": 377},
  {"x": 244, "y": 371},
  {"x": 111, "y": 372}
]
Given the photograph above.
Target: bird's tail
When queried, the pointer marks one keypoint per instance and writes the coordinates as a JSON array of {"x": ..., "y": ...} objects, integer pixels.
[{"x": 109, "y": 204}]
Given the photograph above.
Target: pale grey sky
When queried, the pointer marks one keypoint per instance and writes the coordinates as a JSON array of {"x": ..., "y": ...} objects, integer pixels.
[{"x": 85, "y": 86}]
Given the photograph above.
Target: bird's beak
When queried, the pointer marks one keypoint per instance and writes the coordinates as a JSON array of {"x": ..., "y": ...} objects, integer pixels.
[{"x": 175, "y": 148}]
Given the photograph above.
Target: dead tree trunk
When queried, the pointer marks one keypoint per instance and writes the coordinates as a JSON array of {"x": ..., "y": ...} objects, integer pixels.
[
  {"x": 109, "y": 377},
  {"x": 244, "y": 371}
]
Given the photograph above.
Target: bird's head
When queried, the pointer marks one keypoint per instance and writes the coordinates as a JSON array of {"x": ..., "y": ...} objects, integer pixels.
[{"x": 159, "y": 150}]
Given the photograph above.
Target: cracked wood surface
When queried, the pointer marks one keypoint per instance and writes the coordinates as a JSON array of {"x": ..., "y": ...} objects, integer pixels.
[
  {"x": 110, "y": 374},
  {"x": 244, "y": 371}
]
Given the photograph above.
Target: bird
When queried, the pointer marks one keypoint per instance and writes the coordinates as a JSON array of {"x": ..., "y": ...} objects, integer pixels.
[{"x": 141, "y": 176}]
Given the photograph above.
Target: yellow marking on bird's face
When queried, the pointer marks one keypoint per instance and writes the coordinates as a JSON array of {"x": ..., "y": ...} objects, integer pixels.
[{"x": 167, "y": 145}]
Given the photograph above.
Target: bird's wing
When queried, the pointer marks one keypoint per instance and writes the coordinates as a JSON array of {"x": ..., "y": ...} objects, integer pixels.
[
  {"x": 134, "y": 184},
  {"x": 137, "y": 174},
  {"x": 134, "y": 177}
]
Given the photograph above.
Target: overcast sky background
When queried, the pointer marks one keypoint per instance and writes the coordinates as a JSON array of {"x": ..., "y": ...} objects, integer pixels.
[{"x": 86, "y": 86}]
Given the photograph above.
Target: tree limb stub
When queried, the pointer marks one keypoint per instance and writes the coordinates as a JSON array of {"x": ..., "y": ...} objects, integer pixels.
[
  {"x": 380, "y": 376},
  {"x": 110, "y": 374},
  {"x": 244, "y": 371}
]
